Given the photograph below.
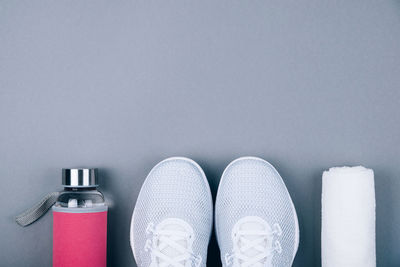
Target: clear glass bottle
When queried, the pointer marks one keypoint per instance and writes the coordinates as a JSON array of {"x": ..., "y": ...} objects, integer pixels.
[
  {"x": 80, "y": 190},
  {"x": 80, "y": 221},
  {"x": 80, "y": 197}
]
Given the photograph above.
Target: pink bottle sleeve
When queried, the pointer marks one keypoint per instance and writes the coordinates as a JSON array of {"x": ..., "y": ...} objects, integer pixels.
[{"x": 79, "y": 239}]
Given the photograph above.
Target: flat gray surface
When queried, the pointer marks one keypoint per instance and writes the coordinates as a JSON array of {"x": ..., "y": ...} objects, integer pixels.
[{"x": 121, "y": 85}]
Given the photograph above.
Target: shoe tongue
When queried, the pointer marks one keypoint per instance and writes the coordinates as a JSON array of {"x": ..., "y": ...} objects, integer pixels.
[
  {"x": 172, "y": 252},
  {"x": 253, "y": 226}
]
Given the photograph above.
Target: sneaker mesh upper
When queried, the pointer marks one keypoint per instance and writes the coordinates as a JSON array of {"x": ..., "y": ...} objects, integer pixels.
[
  {"x": 252, "y": 187},
  {"x": 175, "y": 188}
]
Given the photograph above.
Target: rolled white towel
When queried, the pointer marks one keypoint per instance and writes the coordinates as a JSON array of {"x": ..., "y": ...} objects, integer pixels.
[{"x": 348, "y": 218}]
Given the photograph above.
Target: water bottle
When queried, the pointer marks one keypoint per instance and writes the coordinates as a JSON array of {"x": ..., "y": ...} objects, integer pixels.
[{"x": 80, "y": 221}]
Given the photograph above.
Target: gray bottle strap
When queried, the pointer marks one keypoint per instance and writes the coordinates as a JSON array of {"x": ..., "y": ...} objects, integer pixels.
[{"x": 33, "y": 214}]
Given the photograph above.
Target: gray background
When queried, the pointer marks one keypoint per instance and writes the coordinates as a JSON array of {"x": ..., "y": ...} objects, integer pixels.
[{"x": 121, "y": 85}]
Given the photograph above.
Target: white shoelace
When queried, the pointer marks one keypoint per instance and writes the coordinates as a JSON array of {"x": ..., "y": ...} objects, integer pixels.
[
  {"x": 254, "y": 243},
  {"x": 171, "y": 244}
]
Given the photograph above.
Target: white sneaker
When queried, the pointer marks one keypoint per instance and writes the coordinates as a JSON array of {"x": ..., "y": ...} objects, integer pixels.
[
  {"x": 255, "y": 219},
  {"x": 172, "y": 220}
]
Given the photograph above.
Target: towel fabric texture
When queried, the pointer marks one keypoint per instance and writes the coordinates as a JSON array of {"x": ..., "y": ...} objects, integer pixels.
[{"x": 348, "y": 218}]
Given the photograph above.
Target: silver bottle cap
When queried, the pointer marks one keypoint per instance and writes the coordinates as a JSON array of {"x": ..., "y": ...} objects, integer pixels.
[{"x": 80, "y": 177}]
